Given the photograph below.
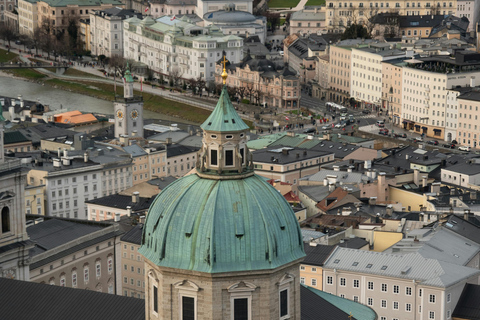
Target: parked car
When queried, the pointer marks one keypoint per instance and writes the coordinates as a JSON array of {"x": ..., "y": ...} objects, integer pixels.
[
  {"x": 416, "y": 139},
  {"x": 340, "y": 124},
  {"x": 464, "y": 148},
  {"x": 380, "y": 123},
  {"x": 433, "y": 142},
  {"x": 366, "y": 111},
  {"x": 383, "y": 131},
  {"x": 448, "y": 145},
  {"x": 326, "y": 127},
  {"x": 400, "y": 135},
  {"x": 18, "y": 42},
  {"x": 309, "y": 130}
]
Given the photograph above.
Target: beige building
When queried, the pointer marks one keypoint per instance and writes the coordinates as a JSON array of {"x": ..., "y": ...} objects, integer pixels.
[
  {"x": 148, "y": 162},
  {"x": 132, "y": 264},
  {"x": 397, "y": 286},
  {"x": 340, "y": 71},
  {"x": 311, "y": 19},
  {"x": 340, "y": 15},
  {"x": 366, "y": 73},
  {"x": 289, "y": 164},
  {"x": 258, "y": 81},
  {"x": 392, "y": 90},
  {"x": 6, "y": 6},
  {"x": 27, "y": 16},
  {"x": 83, "y": 259},
  {"x": 35, "y": 199},
  {"x": 322, "y": 76},
  {"x": 468, "y": 132},
  {"x": 116, "y": 206},
  {"x": 180, "y": 159},
  {"x": 85, "y": 34},
  {"x": 161, "y": 8},
  {"x": 58, "y": 14}
]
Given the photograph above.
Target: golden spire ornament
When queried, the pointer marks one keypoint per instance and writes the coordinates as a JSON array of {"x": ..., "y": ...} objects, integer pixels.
[{"x": 224, "y": 73}]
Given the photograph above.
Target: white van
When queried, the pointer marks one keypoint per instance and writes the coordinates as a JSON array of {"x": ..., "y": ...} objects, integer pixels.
[{"x": 380, "y": 124}]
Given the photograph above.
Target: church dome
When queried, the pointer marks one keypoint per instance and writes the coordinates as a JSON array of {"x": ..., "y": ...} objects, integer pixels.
[
  {"x": 215, "y": 226},
  {"x": 223, "y": 218}
]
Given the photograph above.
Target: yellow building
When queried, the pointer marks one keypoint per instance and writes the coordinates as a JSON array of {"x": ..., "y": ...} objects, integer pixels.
[
  {"x": 85, "y": 34},
  {"x": 132, "y": 281},
  {"x": 35, "y": 199},
  {"x": 311, "y": 269}
]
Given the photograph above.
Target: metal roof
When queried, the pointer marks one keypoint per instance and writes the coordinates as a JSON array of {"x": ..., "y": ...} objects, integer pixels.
[
  {"x": 29, "y": 300},
  {"x": 224, "y": 118},
  {"x": 217, "y": 226},
  {"x": 412, "y": 266}
]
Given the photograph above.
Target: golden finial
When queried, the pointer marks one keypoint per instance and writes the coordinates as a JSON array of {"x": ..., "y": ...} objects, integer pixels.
[
  {"x": 350, "y": 316},
  {"x": 224, "y": 73}
]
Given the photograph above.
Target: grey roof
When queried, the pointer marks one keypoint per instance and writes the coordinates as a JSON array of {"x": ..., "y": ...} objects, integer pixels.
[
  {"x": 309, "y": 235},
  {"x": 162, "y": 182},
  {"x": 467, "y": 306},
  {"x": 45, "y": 131},
  {"x": 340, "y": 150},
  {"x": 316, "y": 193},
  {"x": 312, "y": 305},
  {"x": 468, "y": 93},
  {"x": 465, "y": 168},
  {"x": 119, "y": 12},
  {"x": 135, "y": 150},
  {"x": 134, "y": 235},
  {"x": 223, "y": 16},
  {"x": 342, "y": 176},
  {"x": 122, "y": 202},
  {"x": 301, "y": 15},
  {"x": 411, "y": 266},
  {"x": 176, "y": 136},
  {"x": 275, "y": 155},
  {"x": 52, "y": 233},
  {"x": 317, "y": 255},
  {"x": 28, "y": 300},
  {"x": 178, "y": 150},
  {"x": 463, "y": 228}
]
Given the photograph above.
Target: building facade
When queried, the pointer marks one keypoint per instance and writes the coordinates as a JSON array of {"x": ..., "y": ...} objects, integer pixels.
[
  {"x": 107, "y": 30},
  {"x": 310, "y": 19},
  {"x": 58, "y": 14},
  {"x": 340, "y": 15},
  {"x": 391, "y": 91},
  {"x": 27, "y": 16},
  {"x": 178, "y": 48},
  {"x": 132, "y": 264},
  {"x": 259, "y": 81}
]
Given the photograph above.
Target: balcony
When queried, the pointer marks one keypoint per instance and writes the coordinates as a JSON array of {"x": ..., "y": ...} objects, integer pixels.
[
  {"x": 427, "y": 97},
  {"x": 427, "y": 89}
]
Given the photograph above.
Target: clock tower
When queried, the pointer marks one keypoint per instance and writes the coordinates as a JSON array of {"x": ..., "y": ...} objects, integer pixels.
[{"x": 128, "y": 110}]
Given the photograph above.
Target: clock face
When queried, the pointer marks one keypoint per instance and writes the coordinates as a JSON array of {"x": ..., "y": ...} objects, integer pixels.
[
  {"x": 134, "y": 114},
  {"x": 119, "y": 114}
]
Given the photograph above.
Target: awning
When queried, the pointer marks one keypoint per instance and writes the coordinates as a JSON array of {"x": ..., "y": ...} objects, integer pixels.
[
  {"x": 437, "y": 130},
  {"x": 408, "y": 121},
  {"x": 417, "y": 126},
  {"x": 424, "y": 128}
]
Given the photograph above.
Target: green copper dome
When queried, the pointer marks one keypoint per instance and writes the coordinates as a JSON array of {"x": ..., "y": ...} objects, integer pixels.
[
  {"x": 224, "y": 118},
  {"x": 214, "y": 226}
]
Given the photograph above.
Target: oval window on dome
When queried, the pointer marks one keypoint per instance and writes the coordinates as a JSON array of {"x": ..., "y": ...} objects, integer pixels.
[
  {"x": 241, "y": 135},
  {"x": 229, "y": 136},
  {"x": 213, "y": 136}
]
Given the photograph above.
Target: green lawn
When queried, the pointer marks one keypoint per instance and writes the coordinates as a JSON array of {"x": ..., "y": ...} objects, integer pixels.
[
  {"x": 283, "y": 3},
  {"x": 6, "y": 56},
  {"x": 26, "y": 73},
  {"x": 315, "y": 2},
  {"x": 77, "y": 73}
]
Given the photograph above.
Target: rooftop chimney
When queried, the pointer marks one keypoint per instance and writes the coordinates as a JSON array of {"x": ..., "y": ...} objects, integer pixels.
[
  {"x": 117, "y": 217},
  {"x": 85, "y": 157},
  {"x": 129, "y": 211},
  {"x": 136, "y": 197}
]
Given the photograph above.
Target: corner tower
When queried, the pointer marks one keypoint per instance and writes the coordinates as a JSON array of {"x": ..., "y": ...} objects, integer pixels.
[
  {"x": 222, "y": 243},
  {"x": 128, "y": 110}
]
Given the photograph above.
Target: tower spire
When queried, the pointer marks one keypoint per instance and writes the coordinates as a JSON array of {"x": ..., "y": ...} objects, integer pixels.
[{"x": 224, "y": 73}]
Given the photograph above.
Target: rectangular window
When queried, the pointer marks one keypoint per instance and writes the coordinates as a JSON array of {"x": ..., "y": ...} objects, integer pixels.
[
  {"x": 396, "y": 289},
  {"x": 384, "y": 303},
  {"x": 384, "y": 287},
  {"x": 314, "y": 282},
  {"x": 329, "y": 280},
  {"x": 408, "y": 291},
  {"x": 343, "y": 282},
  {"x": 242, "y": 153},
  {"x": 370, "y": 285},
  {"x": 283, "y": 303},
  {"x": 432, "y": 298},
  {"x": 431, "y": 315},
  {"x": 240, "y": 309},
  {"x": 408, "y": 307},
  {"x": 395, "y": 305},
  {"x": 214, "y": 157},
  {"x": 356, "y": 283},
  {"x": 229, "y": 157},
  {"x": 155, "y": 299}
]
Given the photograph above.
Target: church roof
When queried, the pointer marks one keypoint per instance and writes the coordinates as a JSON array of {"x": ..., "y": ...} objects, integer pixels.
[
  {"x": 224, "y": 118},
  {"x": 215, "y": 226}
]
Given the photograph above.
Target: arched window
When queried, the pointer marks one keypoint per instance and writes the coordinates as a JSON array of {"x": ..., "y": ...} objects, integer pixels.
[{"x": 5, "y": 220}]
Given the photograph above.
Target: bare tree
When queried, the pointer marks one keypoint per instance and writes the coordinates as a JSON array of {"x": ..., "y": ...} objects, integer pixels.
[
  {"x": 200, "y": 84},
  {"x": 273, "y": 18},
  {"x": 174, "y": 75},
  {"x": 241, "y": 92},
  {"x": 249, "y": 91},
  {"x": 192, "y": 82},
  {"x": 8, "y": 33},
  {"x": 117, "y": 64},
  {"x": 257, "y": 94}
]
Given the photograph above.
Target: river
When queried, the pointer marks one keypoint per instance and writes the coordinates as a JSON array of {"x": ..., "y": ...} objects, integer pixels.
[{"x": 58, "y": 99}]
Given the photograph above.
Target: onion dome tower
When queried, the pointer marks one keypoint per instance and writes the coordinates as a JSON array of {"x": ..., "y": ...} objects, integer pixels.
[{"x": 222, "y": 243}]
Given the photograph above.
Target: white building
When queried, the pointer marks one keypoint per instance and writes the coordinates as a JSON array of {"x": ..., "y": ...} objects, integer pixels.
[
  {"x": 27, "y": 16},
  {"x": 205, "y": 6},
  {"x": 469, "y": 9},
  {"x": 424, "y": 96},
  {"x": 107, "y": 30},
  {"x": 176, "y": 46},
  {"x": 366, "y": 76},
  {"x": 71, "y": 180},
  {"x": 451, "y": 117}
]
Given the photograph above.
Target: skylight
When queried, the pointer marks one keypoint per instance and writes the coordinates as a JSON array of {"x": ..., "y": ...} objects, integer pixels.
[
  {"x": 384, "y": 268},
  {"x": 355, "y": 264},
  {"x": 369, "y": 265},
  {"x": 336, "y": 261}
]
